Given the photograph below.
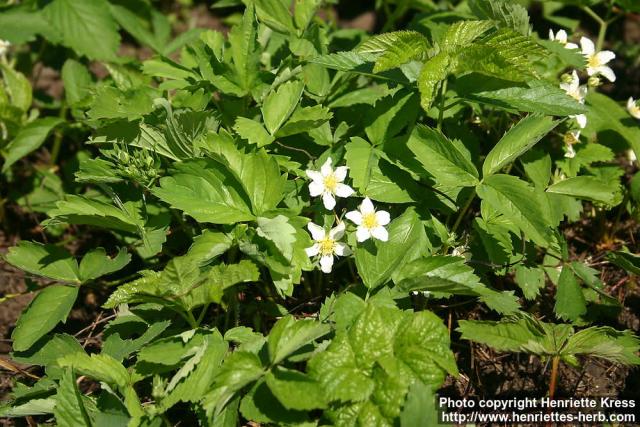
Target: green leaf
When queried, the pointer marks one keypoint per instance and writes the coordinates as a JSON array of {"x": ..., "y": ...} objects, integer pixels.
[
  {"x": 113, "y": 103},
  {"x": 244, "y": 49},
  {"x": 77, "y": 81},
  {"x": 47, "y": 350},
  {"x": 97, "y": 263},
  {"x": 275, "y": 14},
  {"x": 305, "y": 119},
  {"x": 207, "y": 191},
  {"x": 503, "y": 14},
  {"x": 502, "y": 336},
  {"x": 517, "y": 141},
  {"x": 280, "y": 232},
  {"x": 288, "y": 335},
  {"x": 606, "y": 115},
  {"x": 520, "y": 203},
  {"x": 628, "y": 261},
  {"x": 395, "y": 48},
  {"x": 606, "y": 343},
  {"x": 376, "y": 262},
  {"x": 100, "y": 367},
  {"x": 86, "y": 26},
  {"x": 433, "y": 73},
  {"x": 531, "y": 280},
  {"x": 253, "y": 132},
  {"x": 446, "y": 160},
  {"x": 18, "y": 88},
  {"x": 47, "y": 309},
  {"x": 279, "y": 104},
  {"x": 586, "y": 188},
  {"x": 70, "y": 410},
  {"x": 28, "y": 139},
  {"x": 119, "y": 347},
  {"x": 49, "y": 261},
  {"x": 570, "y": 302},
  {"x": 420, "y": 407},
  {"x": 295, "y": 390}
]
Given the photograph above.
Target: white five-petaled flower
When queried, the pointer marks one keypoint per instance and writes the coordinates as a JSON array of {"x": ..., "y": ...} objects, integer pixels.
[
  {"x": 571, "y": 138},
  {"x": 327, "y": 245},
  {"x": 4, "y": 47},
  {"x": 596, "y": 61},
  {"x": 370, "y": 223},
  {"x": 328, "y": 183},
  {"x": 632, "y": 107},
  {"x": 577, "y": 92},
  {"x": 561, "y": 37}
]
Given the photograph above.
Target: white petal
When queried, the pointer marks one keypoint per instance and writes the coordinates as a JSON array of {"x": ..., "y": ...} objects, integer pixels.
[
  {"x": 340, "y": 173},
  {"x": 343, "y": 190},
  {"x": 588, "y": 48},
  {"x": 326, "y": 263},
  {"x": 362, "y": 234},
  {"x": 571, "y": 46},
  {"x": 314, "y": 175},
  {"x": 551, "y": 36},
  {"x": 342, "y": 249},
  {"x": 326, "y": 169},
  {"x": 383, "y": 217},
  {"x": 605, "y": 56},
  {"x": 337, "y": 232},
  {"x": 631, "y": 103},
  {"x": 380, "y": 233},
  {"x": 367, "y": 207},
  {"x": 317, "y": 232},
  {"x": 328, "y": 201},
  {"x": 607, "y": 72},
  {"x": 312, "y": 250},
  {"x": 582, "y": 93},
  {"x": 316, "y": 188},
  {"x": 582, "y": 120},
  {"x": 570, "y": 152},
  {"x": 561, "y": 36},
  {"x": 355, "y": 217}
]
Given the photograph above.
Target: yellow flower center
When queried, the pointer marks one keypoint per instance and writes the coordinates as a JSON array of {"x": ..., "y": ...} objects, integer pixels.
[
  {"x": 369, "y": 220},
  {"x": 327, "y": 246},
  {"x": 593, "y": 61},
  {"x": 330, "y": 182}
]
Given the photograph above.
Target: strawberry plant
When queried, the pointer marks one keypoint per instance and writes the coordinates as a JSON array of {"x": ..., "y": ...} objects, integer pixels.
[{"x": 286, "y": 213}]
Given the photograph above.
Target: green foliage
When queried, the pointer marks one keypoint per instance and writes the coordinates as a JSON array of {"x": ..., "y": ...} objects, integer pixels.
[{"x": 190, "y": 192}]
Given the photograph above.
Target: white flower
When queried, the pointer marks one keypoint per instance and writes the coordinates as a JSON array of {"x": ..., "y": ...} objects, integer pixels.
[
  {"x": 633, "y": 108},
  {"x": 4, "y": 47},
  {"x": 577, "y": 92},
  {"x": 596, "y": 61},
  {"x": 327, "y": 245},
  {"x": 571, "y": 138},
  {"x": 631, "y": 155},
  {"x": 370, "y": 223},
  {"x": 328, "y": 183},
  {"x": 561, "y": 37}
]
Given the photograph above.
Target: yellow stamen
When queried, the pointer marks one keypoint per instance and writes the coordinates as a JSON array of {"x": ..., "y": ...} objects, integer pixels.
[
  {"x": 327, "y": 246},
  {"x": 593, "y": 61},
  {"x": 330, "y": 182},
  {"x": 369, "y": 220}
]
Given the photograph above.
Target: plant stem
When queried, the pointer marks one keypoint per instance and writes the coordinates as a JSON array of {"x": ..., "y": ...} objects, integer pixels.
[
  {"x": 603, "y": 26},
  {"x": 443, "y": 92},
  {"x": 463, "y": 212},
  {"x": 554, "y": 376}
]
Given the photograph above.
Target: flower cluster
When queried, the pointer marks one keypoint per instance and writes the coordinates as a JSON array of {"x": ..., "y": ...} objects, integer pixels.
[
  {"x": 596, "y": 67},
  {"x": 329, "y": 184}
]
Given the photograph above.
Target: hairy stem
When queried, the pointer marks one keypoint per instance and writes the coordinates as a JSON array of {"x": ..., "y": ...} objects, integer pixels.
[{"x": 554, "y": 376}]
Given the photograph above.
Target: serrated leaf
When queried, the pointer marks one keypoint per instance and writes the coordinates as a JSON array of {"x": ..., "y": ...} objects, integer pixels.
[
  {"x": 86, "y": 26},
  {"x": 570, "y": 302},
  {"x": 49, "y": 261},
  {"x": 503, "y": 336},
  {"x": 47, "y": 350},
  {"x": 295, "y": 390},
  {"x": 48, "y": 308},
  {"x": 242, "y": 39},
  {"x": 28, "y": 139},
  {"x": 305, "y": 119},
  {"x": 376, "y": 262},
  {"x": 503, "y": 14},
  {"x": 606, "y": 343},
  {"x": 70, "y": 410},
  {"x": 395, "y": 48},
  {"x": 207, "y": 191},
  {"x": 288, "y": 335},
  {"x": 606, "y": 114},
  {"x": 18, "y": 88},
  {"x": 433, "y": 73},
  {"x": 517, "y": 141},
  {"x": 628, "y": 261},
  {"x": 279, "y": 104},
  {"x": 112, "y": 103},
  {"x": 77, "y": 81},
  {"x": 444, "y": 159},
  {"x": 97, "y": 263},
  {"x": 527, "y": 208},
  {"x": 586, "y": 188},
  {"x": 253, "y": 132},
  {"x": 530, "y": 279},
  {"x": 100, "y": 367}
]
